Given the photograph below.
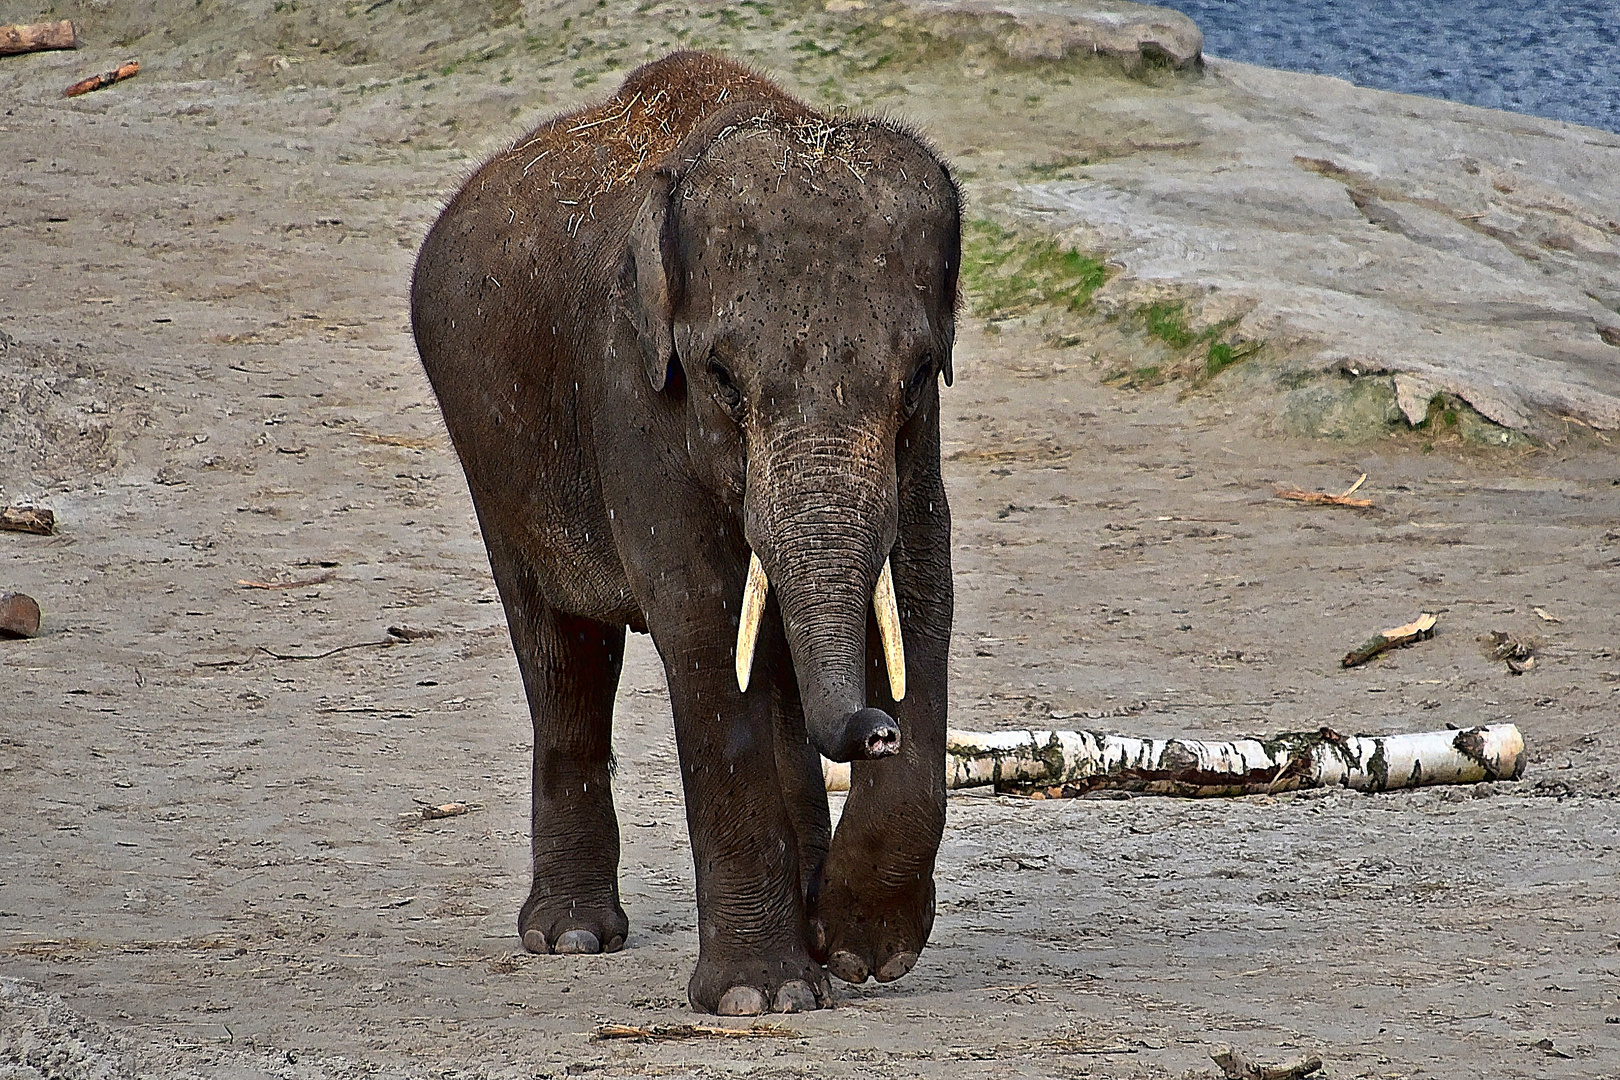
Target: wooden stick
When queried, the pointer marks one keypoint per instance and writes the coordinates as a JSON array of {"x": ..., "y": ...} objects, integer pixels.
[
  {"x": 1238, "y": 1066},
  {"x": 1322, "y": 498},
  {"x": 1419, "y": 629},
  {"x": 1071, "y": 763},
  {"x": 38, "y": 37},
  {"x": 28, "y": 519},
  {"x": 127, "y": 70}
]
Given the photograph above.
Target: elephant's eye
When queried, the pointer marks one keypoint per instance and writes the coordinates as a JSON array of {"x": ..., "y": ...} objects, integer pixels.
[
  {"x": 917, "y": 385},
  {"x": 725, "y": 387}
]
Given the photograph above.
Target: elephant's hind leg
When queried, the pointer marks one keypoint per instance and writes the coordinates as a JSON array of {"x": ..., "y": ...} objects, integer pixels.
[{"x": 570, "y": 669}]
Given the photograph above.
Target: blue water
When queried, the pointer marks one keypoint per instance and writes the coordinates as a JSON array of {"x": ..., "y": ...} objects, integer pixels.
[{"x": 1552, "y": 58}]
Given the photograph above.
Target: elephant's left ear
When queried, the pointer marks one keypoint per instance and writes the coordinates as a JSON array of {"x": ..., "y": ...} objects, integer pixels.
[{"x": 652, "y": 300}]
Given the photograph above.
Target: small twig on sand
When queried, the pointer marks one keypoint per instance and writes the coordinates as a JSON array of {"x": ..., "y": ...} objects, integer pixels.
[
  {"x": 127, "y": 70},
  {"x": 318, "y": 579},
  {"x": 1322, "y": 498},
  {"x": 670, "y": 1032},
  {"x": 28, "y": 519},
  {"x": 384, "y": 643},
  {"x": 1236, "y": 1066},
  {"x": 433, "y": 812},
  {"x": 1419, "y": 629},
  {"x": 397, "y": 635},
  {"x": 37, "y": 37}
]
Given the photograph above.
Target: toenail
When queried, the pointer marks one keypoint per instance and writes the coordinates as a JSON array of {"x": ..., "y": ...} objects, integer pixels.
[
  {"x": 896, "y": 966},
  {"x": 741, "y": 1001},
  {"x": 847, "y": 966},
  {"x": 614, "y": 944},
  {"x": 535, "y": 942},
  {"x": 795, "y": 996},
  {"x": 579, "y": 942}
]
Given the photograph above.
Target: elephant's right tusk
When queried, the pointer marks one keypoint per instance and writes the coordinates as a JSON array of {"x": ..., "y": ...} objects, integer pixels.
[
  {"x": 753, "y": 606},
  {"x": 888, "y": 620}
]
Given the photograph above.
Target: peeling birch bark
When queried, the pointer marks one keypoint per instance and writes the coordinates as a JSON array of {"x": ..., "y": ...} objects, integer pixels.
[{"x": 1083, "y": 761}]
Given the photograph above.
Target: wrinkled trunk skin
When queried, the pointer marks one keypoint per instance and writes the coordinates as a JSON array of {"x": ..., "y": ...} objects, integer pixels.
[{"x": 820, "y": 512}]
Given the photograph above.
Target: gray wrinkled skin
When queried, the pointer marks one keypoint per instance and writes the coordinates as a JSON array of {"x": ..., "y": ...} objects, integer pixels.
[{"x": 695, "y": 322}]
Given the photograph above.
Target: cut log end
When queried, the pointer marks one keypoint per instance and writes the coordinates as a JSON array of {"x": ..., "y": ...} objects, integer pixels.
[{"x": 39, "y": 37}]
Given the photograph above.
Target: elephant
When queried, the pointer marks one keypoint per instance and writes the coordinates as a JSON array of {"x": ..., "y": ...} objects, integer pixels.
[{"x": 687, "y": 344}]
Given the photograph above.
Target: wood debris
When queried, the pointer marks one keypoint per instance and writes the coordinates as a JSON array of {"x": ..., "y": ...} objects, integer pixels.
[
  {"x": 1322, "y": 498},
  {"x": 1544, "y": 616},
  {"x": 1419, "y": 629},
  {"x": 1069, "y": 764},
  {"x": 672, "y": 1032},
  {"x": 1517, "y": 653},
  {"x": 302, "y": 583},
  {"x": 19, "y": 616},
  {"x": 1238, "y": 1066},
  {"x": 28, "y": 519},
  {"x": 127, "y": 70},
  {"x": 38, "y": 37},
  {"x": 436, "y": 811}
]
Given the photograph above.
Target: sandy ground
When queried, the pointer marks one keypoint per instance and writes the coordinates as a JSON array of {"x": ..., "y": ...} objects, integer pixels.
[{"x": 206, "y": 371}]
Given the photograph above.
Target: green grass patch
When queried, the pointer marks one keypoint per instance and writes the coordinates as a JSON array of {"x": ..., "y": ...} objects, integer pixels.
[
  {"x": 1007, "y": 274},
  {"x": 1168, "y": 323}
]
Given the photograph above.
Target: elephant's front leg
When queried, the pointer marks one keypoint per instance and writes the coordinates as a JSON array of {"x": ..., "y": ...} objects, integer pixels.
[
  {"x": 752, "y": 955},
  {"x": 873, "y": 908}
]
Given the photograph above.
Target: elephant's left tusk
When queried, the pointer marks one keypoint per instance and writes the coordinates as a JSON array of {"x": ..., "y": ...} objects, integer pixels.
[
  {"x": 753, "y": 606},
  {"x": 888, "y": 620}
]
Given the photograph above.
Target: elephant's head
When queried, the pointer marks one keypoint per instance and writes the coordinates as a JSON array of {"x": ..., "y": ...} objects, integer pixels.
[{"x": 798, "y": 278}]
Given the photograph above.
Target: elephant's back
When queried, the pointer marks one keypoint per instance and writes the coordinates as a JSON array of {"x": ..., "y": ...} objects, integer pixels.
[{"x": 543, "y": 223}]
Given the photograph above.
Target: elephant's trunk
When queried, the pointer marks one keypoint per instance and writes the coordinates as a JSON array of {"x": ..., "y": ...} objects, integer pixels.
[{"x": 821, "y": 516}]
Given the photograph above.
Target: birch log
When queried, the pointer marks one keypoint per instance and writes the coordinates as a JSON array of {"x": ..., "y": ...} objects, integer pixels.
[{"x": 1082, "y": 761}]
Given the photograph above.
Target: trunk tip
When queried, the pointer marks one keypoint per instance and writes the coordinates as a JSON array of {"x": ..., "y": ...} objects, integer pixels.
[{"x": 866, "y": 735}]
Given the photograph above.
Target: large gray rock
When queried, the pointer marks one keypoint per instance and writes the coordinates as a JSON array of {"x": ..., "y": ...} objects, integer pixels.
[
  {"x": 1055, "y": 30},
  {"x": 1456, "y": 249}
]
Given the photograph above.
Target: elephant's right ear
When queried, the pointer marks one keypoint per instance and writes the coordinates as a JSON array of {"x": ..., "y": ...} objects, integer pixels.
[{"x": 652, "y": 300}]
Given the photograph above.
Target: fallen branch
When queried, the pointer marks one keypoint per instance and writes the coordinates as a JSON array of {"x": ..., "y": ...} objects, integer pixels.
[
  {"x": 669, "y": 1032},
  {"x": 38, "y": 37},
  {"x": 100, "y": 82},
  {"x": 385, "y": 642},
  {"x": 1236, "y": 1066},
  {"x": 28, "y": 519},
  {"x": 1419, "y": 629},
  {"x": 1322, "y": 498},
  {"x": 1077, "y": 762}
]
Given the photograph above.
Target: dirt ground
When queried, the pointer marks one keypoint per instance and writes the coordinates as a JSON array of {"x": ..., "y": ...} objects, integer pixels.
[{"x": 205, "y": 370}]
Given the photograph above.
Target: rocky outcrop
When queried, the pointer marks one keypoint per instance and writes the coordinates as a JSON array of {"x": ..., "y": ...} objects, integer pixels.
[
  {"x": 1453, "y": 249},
  {"x": 1135, "y": 34}
]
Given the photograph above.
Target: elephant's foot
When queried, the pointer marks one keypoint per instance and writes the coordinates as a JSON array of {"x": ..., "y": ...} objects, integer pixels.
[
  {"x": 547, "y": 928},
  {"x": 793, "y": 984},
  {"x": 858, "y": 935}
]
